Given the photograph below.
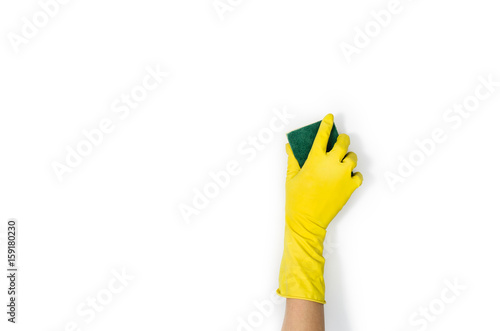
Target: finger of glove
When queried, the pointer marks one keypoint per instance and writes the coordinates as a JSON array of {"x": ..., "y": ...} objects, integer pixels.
[
  {"x": 339, "y": 151},
  {"x": 357, "y": 179},
  {"x": 351, "y": 159},
  {"x": 293, "y": 164},
  {"x": 321, "y": 140}
]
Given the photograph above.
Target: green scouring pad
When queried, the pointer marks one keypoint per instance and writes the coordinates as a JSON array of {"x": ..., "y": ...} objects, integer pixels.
[{"x": 301, "y": 141}]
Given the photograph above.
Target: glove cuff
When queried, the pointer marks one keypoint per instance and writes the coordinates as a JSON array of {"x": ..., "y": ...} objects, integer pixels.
[{"x": 302, "y": 265}]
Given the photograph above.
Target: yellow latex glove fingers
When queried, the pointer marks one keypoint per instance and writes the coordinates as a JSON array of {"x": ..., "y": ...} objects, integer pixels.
[{"x": 314, "y": 196}]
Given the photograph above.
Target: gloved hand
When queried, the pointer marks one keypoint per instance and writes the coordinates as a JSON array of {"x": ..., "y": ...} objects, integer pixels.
[{"x": 314, "y": 196}]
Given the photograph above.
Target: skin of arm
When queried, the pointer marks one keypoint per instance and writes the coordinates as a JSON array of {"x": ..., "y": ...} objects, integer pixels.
[{"x": 302, "y": 315}]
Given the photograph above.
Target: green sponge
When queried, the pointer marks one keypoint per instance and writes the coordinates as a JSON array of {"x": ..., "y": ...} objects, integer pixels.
[{"x": 301, "y": 141}]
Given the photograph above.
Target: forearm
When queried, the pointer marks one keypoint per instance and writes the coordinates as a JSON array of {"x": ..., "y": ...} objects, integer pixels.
[
  {"x": 315, "y": 194},
  {"x": 303, "y": 315}
]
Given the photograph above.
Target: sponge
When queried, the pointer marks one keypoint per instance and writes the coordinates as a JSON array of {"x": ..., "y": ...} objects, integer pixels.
[{"x": 301, "y": 140}]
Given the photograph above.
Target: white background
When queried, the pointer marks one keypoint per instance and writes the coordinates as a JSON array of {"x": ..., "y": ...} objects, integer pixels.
[{"x": 389, "y": 252}]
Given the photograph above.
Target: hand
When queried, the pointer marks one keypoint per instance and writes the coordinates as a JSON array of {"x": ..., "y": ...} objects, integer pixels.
[{"x": 318, "y": 191}]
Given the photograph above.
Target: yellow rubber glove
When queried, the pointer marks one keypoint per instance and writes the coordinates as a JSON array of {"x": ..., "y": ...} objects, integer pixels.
[{"x": 314, "y": 196}]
